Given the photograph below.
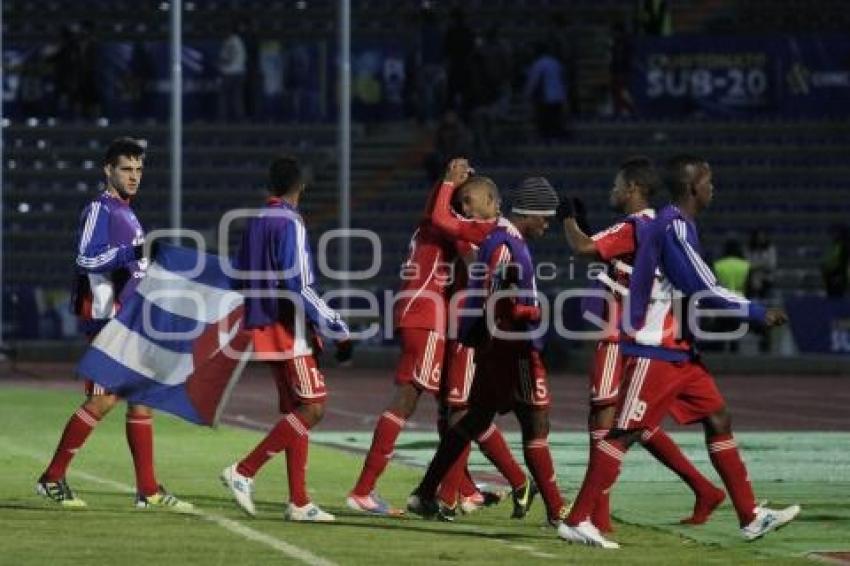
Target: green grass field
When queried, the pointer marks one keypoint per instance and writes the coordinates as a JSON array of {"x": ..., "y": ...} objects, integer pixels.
[{"x": 812, "y": 469}]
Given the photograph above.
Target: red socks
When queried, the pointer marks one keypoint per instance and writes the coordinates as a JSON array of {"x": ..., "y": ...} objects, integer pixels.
[
  {"x": 601, "y": 514},
  {"x": 724, "y": 454},
  {"x": 708, "y": 497},
  {"x": 296, "y": 469},
  {"x": 383, "y": 441},
  {"x": 539, "y": 462},
  {"x": 450, "y": 484},
  {"x": 492, "y": 444},
  {"x": 660, "y": 445},
  {"x": 76, "y": 431},
  {"x": 139, "y": 429},
  {"x": 288, "y": 431},
  {"x": 602, "y": 472}
]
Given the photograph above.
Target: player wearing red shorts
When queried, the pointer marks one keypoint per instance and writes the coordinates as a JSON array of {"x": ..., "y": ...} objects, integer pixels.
[
  {"x": 663, "y": 373},
  {"x": 509, "y": 372},
  {"x": 633, "y": 187},
  {"x": 277, "y": 279},
  {"x": 420, "y": 318},
  {"x": 478, "y": 198},
  {"x": 109, "y": 266}
]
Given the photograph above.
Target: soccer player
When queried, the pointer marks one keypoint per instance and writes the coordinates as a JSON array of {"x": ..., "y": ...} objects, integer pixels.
[
  {"x": 630, "y": 195},
  {"x": 509, "y": 373},
  {"x": 420, "y": 317},
  {"x": 663, "y": 372},
  {"x": 109, "y": 266},
  {"x": 478, "y": 199},
  {"x": 276, "y": 242}
]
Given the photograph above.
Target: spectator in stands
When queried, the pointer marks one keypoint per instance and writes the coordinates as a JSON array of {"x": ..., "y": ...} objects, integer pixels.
[
  {"x": 620, "y": 69},
  {"x": 484, "y": 92},
  {"x": 732, "y": 272},
  {"x": 429, "y": 76},
  {"x": 458, "y": 45},
  {"x": 835, "y": 261},
  {"x": 761, "y": 254},
  {"x": 253, "y": 77},
  {"x": 232, "y": 64},
  {"x": 64, "y": 56},
  {"x": 500, "y": 58},
  {"x": 452, "y": 139},
  {"x": 88, "y": 93},
  {"x": 654, "y": 17},
  {"x": 564, "y": 39},
  {"x": 546, "y": 88},
  {"x": 732, "y": 269}
]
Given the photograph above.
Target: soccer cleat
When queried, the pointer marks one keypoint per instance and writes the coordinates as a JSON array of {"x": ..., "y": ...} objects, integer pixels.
[
  {"x": 241, "y": 487},
  {"x": 560, "y": 518},
  {"x": 165, "y": 500},
  {"x": 585, "y": 533},
  {"x": 523, "y": 497},
  {"x": 430, "y": 508},
  {"x": 372, "y": 504},
  {"x": 59, "y": 492},
  {"x": 472, "y": 503},
  {"x": 309, "y": 513},
  {"x": 768, "y": 520}
]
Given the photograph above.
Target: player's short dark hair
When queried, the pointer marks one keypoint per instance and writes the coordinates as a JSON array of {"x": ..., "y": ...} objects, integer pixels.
[
  {"x": 677, "y": 174},
  {"x": 640, "y": 170},
  {"x": 285, "y": 175},
  {"x": 123, "y": 147}
]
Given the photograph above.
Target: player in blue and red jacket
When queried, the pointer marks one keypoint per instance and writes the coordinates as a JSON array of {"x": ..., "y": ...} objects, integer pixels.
[
  {"x": 663, "y": 373},
  {"x": 633, "y": 187},
  {"x": 109, "y": 265},
  {"x": 284, "y": 314}
]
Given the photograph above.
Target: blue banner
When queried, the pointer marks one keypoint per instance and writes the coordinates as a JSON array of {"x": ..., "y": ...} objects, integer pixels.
[
  {"x": 820, "y": 325},
  {"x": 742, "y": 76}
]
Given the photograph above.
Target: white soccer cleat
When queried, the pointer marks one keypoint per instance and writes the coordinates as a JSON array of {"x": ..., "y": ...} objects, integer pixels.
[
  {"x": 585, "y": 533},
  {"x": 769, "y": 520},
  {"x": 242, "y": 488},
  {"x": 308, "y": 513}
]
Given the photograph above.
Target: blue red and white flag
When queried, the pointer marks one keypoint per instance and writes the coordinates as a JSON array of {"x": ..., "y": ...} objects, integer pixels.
[{"x": 177, "y": 344}]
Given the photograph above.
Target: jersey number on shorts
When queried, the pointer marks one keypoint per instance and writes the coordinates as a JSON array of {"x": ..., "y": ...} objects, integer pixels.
[{"x": 540, "y": 388}]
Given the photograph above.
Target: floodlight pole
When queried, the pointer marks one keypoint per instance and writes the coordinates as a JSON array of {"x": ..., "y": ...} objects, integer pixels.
[
  {"x": 345, "y": 139},
  {"x": 2, "y": 187},
  {"x": 176, "y": 115}
]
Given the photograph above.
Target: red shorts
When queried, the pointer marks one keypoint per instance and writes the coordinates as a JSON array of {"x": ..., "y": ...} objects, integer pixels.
[
  {"x": 606, "y": 374},
  {"x": 421, "y": 360},
  {"x": 298, "y": 378},
  {"x": 653, "y": 388},
  {"x": 299, "y": 382},
  {"x": 507, "y": 374},
  {"x": 460, "y": 371}
]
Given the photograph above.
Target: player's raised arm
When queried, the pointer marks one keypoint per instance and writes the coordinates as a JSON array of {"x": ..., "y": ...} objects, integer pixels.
[{"x": 578, "y": 240}]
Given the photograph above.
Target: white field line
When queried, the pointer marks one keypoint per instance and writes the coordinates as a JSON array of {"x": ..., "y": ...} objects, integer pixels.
[{"x": 230, "y": 525}]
